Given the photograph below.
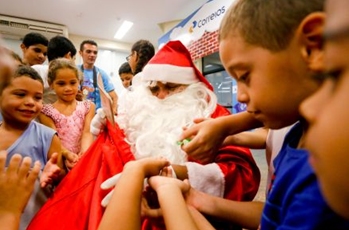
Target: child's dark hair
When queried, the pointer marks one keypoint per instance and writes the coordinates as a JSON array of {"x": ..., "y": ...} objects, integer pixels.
[
  {"x": 61, "y": 63},
  {"x": 34, "y": 38},
  {"x": 91, "y": 42},
  {"x": 145, "y": 51},
  {"x": 59, "y": 46},
  {"x": 23, "y": 70},
  {"x": 125, "y": 68},
  {"x": 267, "y": 23}
]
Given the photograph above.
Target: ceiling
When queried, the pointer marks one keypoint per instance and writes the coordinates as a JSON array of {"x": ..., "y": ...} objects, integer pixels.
[{"x": 100, "y": 19}]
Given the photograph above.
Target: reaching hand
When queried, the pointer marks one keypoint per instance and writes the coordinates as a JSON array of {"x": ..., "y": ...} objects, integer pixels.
[
  {"x": 16, "y": 182},
  {"x": 98, "y": 122},
  {"x": 51, "y": 171},
  {"x": 148, "y": 166},
  {"x": 70, "y": 159},
  {"x": 206, "y": 137},
  {"x": 156, "y": 183}
]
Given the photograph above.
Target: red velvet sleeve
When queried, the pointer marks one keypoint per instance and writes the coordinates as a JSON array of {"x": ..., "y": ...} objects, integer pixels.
[{"x": 241, "y": 173}]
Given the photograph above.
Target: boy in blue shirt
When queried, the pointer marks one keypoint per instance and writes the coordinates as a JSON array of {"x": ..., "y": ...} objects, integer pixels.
[{"x": 273, "y": 49}]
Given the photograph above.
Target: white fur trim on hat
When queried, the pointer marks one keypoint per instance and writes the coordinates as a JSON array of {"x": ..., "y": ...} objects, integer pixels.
[
  {"x": 206, "y": 178},
  {"x": 169, "y": 73}
]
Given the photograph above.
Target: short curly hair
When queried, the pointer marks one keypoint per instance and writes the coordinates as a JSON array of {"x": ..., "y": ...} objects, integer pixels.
[{"x": 267, "y": 23}]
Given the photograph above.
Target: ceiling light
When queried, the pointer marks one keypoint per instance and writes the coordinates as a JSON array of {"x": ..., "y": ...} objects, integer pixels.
[{"x": 126, "y": 26}]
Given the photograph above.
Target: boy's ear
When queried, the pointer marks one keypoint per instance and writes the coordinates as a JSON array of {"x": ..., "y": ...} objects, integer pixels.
[
  {"x": 68, "y": 55},
  {"x": 22, "y": 46},
  {"x": 311, "y": 30}
]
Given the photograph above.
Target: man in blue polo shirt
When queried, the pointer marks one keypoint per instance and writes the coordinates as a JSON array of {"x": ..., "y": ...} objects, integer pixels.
[{"x": 88, "y": 52}]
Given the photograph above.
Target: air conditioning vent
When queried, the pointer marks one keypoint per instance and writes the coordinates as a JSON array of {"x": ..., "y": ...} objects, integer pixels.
[
  {"x": 4, "y": 23},
  {"x": 18, "y": 27}
]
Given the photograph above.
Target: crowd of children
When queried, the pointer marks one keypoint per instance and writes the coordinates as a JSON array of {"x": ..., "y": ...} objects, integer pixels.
[{"x": 291, "y": 71}]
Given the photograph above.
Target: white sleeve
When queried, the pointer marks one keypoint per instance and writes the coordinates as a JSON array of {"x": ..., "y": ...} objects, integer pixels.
[{"x": 206, "y": 178}]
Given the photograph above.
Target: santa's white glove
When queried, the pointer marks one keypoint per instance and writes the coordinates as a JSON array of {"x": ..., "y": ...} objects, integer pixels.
[
  {"x": 109, "y": 183},
  {"x": 112, "y": 181},
  {"x": 98, "y": 122}
]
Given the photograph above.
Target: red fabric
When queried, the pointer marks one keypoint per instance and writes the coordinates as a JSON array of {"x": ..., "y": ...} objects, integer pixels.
[{"x": 76, "y": 203}]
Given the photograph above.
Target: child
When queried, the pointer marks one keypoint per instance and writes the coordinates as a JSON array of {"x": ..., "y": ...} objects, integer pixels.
[
  {"x": 71, "y": 118},
  {"x": 16, "y": 185},
  {"x": 141, "y": 52},
  {"x": 34, "y": 48},
  {"x": 327, "y": 113},
  {"x": 20, "y": 103},
  {"x": 273, "y": 67},
  {"x": 125, "y": 74}
]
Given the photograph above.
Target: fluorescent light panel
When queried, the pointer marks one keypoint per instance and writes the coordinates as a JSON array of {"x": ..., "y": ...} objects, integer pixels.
[{"x": 124, "y": 28}]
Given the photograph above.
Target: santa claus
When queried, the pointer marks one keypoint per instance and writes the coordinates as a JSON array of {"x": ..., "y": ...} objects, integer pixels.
[{"x": 172, "y": 94}]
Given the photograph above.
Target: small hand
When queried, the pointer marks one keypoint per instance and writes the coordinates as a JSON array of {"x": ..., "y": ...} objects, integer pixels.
[
  {"x": 149, "y": 167},
  {"x": 70, "y": 159},
  {"x": 206, "y": 137},
  {"x": 51, "y": 171},
  {"x": 156, "y": 184},
  {"x": 16, "y": 182}
]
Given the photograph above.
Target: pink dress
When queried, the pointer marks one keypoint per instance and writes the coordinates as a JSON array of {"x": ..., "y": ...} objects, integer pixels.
[{"x": 69, "y": 128}]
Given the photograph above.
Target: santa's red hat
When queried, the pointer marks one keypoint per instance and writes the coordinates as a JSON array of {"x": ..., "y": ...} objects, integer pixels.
[{"x": 173, "y": 64}]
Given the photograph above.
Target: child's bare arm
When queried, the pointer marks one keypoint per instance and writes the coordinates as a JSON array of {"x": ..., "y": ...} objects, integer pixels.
[
  {"x": 169, "y": 191},
  {"x": 54, "y": 170},
  {"x": 255, "y": 139},
  {"x": 47, "y": 121},
  {"x": 16, "y": 185},
  {"x": 87, "y": 137},
  {"x": 245, "y": 214},
  {"x": 124, "y": 209},
  {"x": 200, "y": 221}
]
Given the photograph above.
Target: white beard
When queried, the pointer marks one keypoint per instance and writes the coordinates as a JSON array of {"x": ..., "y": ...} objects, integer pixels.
[{"x": 153, "y": 126}]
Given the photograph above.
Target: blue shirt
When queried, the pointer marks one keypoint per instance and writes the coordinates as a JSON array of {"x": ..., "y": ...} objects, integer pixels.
[
  {"x": 93, "y": 93},
  {"x": 295, "y": 200},
  {"x": 34, "y": 142}
]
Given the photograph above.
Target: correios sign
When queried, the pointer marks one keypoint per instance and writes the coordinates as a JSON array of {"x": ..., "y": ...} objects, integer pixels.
[{"x": 207, "y": 18}]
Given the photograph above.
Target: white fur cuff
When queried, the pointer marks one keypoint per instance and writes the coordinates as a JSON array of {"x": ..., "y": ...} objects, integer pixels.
[{"x": 206, "y": 178}]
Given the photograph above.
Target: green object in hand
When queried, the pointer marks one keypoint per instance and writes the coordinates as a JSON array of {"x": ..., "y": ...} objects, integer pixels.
[{"x": 183, "y": 142}]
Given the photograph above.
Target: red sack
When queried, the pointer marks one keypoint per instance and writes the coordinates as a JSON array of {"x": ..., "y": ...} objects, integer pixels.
[{"x": 76, "y": 202}]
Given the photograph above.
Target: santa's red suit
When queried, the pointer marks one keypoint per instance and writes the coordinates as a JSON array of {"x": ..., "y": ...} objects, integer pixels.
[{"x": 76, "y": 203}]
